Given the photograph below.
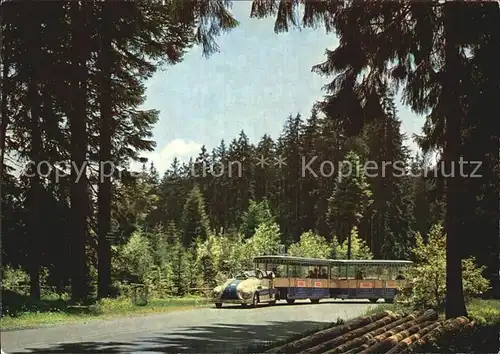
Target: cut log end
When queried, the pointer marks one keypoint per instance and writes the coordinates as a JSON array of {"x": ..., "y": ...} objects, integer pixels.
[
  {"x": 385, "y": 332},
  {"x": 309, "y": 341}
]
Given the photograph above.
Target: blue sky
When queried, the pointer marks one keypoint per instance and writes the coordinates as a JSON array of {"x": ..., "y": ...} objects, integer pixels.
[{"x": 253, "y": 84}]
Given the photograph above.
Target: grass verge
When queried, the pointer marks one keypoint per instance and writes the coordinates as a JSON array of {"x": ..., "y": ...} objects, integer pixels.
[
  {"x": 483, "y": 312},
  {"x": 483, "y": 338},
  {"x": 51, "y": 311}
]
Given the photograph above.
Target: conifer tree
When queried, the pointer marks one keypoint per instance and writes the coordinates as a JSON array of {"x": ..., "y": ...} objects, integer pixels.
[
  {"x": 218, "y": 198},
  {"x": 359, "y": 248},
  {"x": 240, "y": 171},
  {"x": 309, "y": 192},
  {"x": 290, "y": 153},
  {"x": 265, "y": 172},
  {"x": 414, "y": 70},
  {"x": 180, "y": 269},
  {"x": 392, "y": 209},
  {"x": 195, "y": 223},
  {"x": 256, "y": 215},
  {"x": 350, "y": 199}
]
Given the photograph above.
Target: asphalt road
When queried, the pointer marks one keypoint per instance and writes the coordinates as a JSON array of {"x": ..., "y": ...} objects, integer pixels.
[{"x": 206, "y": 330}]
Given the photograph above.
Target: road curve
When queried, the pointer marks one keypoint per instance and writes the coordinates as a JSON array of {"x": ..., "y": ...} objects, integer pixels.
[{"x": 205, "y": 330}]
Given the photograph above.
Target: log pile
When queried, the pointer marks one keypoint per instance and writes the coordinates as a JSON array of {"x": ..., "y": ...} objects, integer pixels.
[{"x": 384, "y": 332}]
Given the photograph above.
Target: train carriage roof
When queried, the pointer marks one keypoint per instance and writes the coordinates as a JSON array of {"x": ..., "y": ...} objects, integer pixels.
[
  {"x": 382, "y": 262},
  {"x": 291, "y": 260},
  {"x": 317, "y": 261}
]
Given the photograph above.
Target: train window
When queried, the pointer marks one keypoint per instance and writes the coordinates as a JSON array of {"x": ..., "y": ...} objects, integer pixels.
[
  {"x": 393, "y": 272},
  {"x": 371, "y": 272},
  {"x": 311, "y": 272},
  {"x": 298, "y": 271},
  {"x": 385, "y": 273},
  {"x": 335, "y": 272},
  {"x": 343, "y": 272},
  {"x": 400, "y": 274},
  {"x": 322, "y": 272},
  {"x": 261, "y": 266},
  {"x": 282, "y": 270},
  {"x": 292, "y": 271},
  {"x": 351, "y": 271},
  {"x": 270, "y": 267}
]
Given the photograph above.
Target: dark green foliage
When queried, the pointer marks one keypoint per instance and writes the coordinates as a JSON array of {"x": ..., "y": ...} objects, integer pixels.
[
  {"x": 208, "y": 271},
  {"x": 92, "y": 113},
  {"x": 478, "y": 340},
  {"x": 442, "y": 70},
  {"x": 195, "y": 222},
  {"x": 257, "y": 214},
  {"x": 15, "y": 304},
  {"x": 350, "y": 200},
  {"x": 192, "y": 268},
  {"x": 180, "y": 264}
]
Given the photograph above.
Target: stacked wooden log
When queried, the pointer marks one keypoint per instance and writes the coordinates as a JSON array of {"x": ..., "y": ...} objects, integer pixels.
[{"x": 384, "y": 332}]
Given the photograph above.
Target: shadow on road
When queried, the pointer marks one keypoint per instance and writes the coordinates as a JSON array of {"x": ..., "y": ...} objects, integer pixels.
[
  {"x": 348, "y": 302},
  {"x": 82, "y": 347},
  {"x": 218, "y": 338}
]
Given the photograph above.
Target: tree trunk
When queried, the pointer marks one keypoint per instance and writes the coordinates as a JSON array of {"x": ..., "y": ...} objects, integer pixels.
[
  {"x": 318, "y": 337},
  {"x": 407, "y": 342},
  {"x": 35, "y": 195},
  {"x": 104, "y": 197},
  {"x": 489, "y": 251},
  {"x": 35, "y": 183},
  {"x": 4, "y": 57},
  {"x": 433, "y": 335},
  {"x": 5, "y": 60},
  {"x": 392, "y": 341},
  {"x": 426, "y": 316},
  {"x": 455, "y": 303},
  {"x": 395, "y": 327},
  {"x": 78, "y": 130},
  {"x": 349, "y": 243},
  {"x": 332, "y": 343}
]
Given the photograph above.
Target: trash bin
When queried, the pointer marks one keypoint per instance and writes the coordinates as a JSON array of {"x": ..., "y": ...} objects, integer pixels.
[{"x": 139, "y": 294}]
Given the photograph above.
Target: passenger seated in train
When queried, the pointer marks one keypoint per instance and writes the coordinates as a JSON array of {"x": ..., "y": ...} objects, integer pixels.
[
  {"x": 359, "y": 275},
  {"x": 275, "y": 271},
  {"x": 324, "y": 274},
  {"x": 400, "y": 276}
]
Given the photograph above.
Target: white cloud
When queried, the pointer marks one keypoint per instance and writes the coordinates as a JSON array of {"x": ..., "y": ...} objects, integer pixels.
[{"x": 179, "y": 148}]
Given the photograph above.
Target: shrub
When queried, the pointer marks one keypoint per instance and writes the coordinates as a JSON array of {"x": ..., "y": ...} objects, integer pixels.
[
  {"x": 133, "y": 261},
  {"x": 482, "y": 338},
  {"x": 310, "y": 245},
  {"x": 258, "y": 213},
  {"x": 427, "y": 278},
  {"x": 265, "y": 241},
  {"x": 485, "y": 312},
  {"x": 13, "y": 278},
  {"x": 359, "y": 248},
  {"x": 231, "y": 255}
]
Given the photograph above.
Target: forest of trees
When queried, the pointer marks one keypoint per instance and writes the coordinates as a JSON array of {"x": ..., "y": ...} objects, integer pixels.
[{"x": 73, "y": 79}]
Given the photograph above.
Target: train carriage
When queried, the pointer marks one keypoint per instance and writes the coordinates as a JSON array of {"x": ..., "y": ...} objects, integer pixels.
[
  {"x": 297, "y": 277},
  {"x": 367, "y": 279},
  {"x": 281, "y": 277}
]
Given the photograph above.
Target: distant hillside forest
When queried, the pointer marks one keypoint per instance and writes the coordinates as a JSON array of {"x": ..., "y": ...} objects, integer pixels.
[{"x": 73, "y": 82}]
